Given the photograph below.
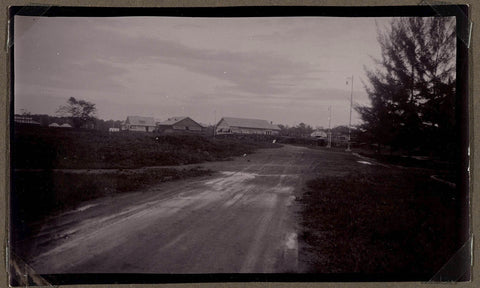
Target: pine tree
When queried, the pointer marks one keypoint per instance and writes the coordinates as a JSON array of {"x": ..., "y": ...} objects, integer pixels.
[{"x": 412, "y": 88}]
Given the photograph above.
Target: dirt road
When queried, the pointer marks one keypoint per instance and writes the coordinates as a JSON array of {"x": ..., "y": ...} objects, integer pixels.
[{"x": 239, "y": 220}]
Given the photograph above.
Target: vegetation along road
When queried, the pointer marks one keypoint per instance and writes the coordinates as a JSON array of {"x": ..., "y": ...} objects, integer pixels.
[
  {"x": 257, "y": 213},
  {"x": 240, "y": 219}
]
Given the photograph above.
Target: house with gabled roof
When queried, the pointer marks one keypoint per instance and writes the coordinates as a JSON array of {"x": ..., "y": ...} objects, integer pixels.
[
  {"x": 139, "y": 123},
  {"x": 180, "y": 124},
  {"x": 231, "y": 125}
]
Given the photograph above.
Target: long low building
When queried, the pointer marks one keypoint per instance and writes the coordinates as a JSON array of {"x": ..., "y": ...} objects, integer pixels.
[
  {"x": 230, "y": 125},
  {"x": 180, "y": 124}
]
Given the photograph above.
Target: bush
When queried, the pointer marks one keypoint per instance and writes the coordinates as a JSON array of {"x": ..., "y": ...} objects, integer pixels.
[
  {"x": 37, "y": 194},
  {"x": 46, "y": 148},
  {"x": 380, "y": 221}
]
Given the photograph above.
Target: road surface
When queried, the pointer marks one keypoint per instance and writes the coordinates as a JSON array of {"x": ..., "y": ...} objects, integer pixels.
[{"x": 242, "y": 219}]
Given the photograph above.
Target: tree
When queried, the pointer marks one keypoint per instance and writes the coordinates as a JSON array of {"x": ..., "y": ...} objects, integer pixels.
[
  {"x": 25, "y": 112},
  {"x": 303, "y": 130},
  {"x": 80, "y": 112},
  {"x": 412, "y": 88},
  {"x": 284, "y": 130}
]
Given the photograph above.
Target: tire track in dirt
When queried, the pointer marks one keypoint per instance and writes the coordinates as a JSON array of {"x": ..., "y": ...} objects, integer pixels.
[{"x": 241, "y": 219}]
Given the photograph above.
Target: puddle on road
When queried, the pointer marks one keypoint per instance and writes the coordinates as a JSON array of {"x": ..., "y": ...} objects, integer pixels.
[
  {"x": 242, "y": 181},
  {"x": 365, "y": 162},
  {"x": 292, "y": 241},
  {"x": 283, "y": 189},
  {"x": 83, "y": 208},
  {"x": 270, "y": 200},
  {"x": 231, "y": 177},
  {"x": 290, "y": 200},
  {"x": 233, "y": 200},
  {"x": 290, "y": 252}
]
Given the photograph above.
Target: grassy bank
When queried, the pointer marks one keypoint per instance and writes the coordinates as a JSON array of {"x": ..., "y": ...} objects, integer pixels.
[
  {"x": 410, "y": 161},
  {"x": 46, "y": 148},
  {"x": 39, "y": 191},
  {"x": 42, "y": 193},
  {"x": 379, "y": 220}
]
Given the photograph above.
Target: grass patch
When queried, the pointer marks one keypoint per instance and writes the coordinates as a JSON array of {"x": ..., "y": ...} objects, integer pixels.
[
  {"x": 39, "y": 194},
  {"x": 379, "y": 221},
  {"x": 46, "y": 148},
  {"x": 409, "y": 161},
  {"x": 38, "y": 190}
]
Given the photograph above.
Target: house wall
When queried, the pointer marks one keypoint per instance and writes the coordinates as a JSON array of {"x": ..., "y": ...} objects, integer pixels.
[
  {"x": 242, "y": 130},
  {"x": 185, "y": 126},
  {"x": 140, "y": 128},
  {"x": 222, "y": 128}
]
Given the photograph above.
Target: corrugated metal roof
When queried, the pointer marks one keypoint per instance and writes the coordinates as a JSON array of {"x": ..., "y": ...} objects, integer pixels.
[
  {"x": 172, "y": 120},
  {"x": 139, "y": 120},
  {"x": 250, "y": 123}
]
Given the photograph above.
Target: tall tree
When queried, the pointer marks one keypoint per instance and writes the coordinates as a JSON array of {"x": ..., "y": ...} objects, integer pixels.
[
  {"x": 80, "y": 112},
  {"x": 412, "y": 87}
]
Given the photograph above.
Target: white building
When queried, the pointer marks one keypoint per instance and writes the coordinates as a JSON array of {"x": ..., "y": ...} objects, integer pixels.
[
  {"x": 230, "y": 125},
  {"x": 139, "y": 123},
  {"x": 319, "y": 134}
]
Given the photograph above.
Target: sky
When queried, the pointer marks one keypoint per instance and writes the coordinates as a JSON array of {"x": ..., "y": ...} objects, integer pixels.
[{"x": 286, "y": 70}]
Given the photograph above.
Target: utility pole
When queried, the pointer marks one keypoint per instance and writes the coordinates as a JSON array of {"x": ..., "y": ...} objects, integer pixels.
[
  {"x": 350, "y": 121},
  {"x": 329, "y": 130},
  {"x": 214, "y": 123}
]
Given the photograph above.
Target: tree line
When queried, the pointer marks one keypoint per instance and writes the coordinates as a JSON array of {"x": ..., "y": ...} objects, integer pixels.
[
  {"x": 78, "y": 113},
  {"x": 82, "y": 114},
  {"x": 300, "y": 130}
]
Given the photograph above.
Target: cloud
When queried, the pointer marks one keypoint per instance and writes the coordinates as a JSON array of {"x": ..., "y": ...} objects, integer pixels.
[
  {"x": 93, "y": 57},
  {"x": 252, "y": 72},
  {"x": 155, "y": 65}
]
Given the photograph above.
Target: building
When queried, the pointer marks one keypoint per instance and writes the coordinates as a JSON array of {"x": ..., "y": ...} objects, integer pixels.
[
  {"x": 340, "y": 136},
  {"x": 139, "y": 123},
  {"x": 319, "y": 134},
  {"x": 230, "y": 125},
  {"x": 180, "y": 124},
  {"x": 21, "y": 119}
]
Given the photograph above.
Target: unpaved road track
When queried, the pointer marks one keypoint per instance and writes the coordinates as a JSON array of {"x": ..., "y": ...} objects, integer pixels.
[{"x": 242, "y": 219}]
